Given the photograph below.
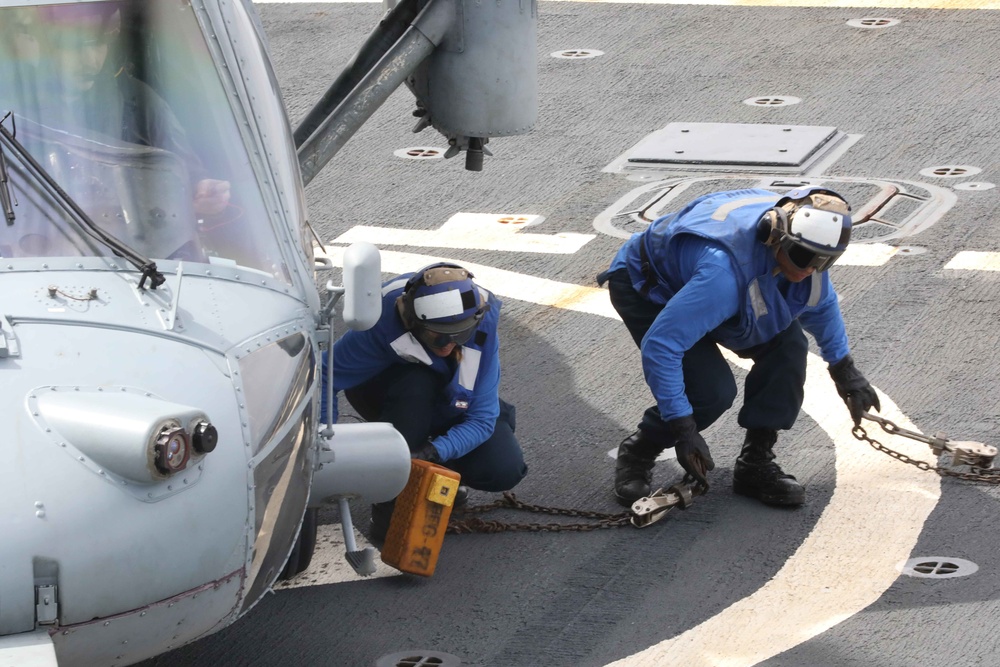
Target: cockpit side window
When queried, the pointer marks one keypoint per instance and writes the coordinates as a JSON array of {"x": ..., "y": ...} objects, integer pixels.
[{"x": 122, "y": 104}]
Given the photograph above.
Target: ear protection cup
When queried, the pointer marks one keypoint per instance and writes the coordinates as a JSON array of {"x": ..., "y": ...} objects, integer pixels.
[
  {"x": 772, "y": 226},
  {"x": 404, "y": 306}
]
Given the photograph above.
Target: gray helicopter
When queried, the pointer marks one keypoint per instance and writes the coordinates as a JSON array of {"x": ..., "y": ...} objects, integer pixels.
[{"x": 160, "y": 325}]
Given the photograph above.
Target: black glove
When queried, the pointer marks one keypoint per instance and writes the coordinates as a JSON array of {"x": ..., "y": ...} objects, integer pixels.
[
  {"x": 853, "y": 388},
  {"x": 426, "y": 452},
  {"x": 692, "y": 450}
]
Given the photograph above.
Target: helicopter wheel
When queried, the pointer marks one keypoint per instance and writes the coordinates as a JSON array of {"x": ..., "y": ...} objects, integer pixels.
[{"x": 302, "y": 553}]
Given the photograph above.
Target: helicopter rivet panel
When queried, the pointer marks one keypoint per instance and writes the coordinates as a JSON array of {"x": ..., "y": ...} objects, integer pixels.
[
  {"x": 135, "y": 441},
  {"x": 120, "y": 639},
  {"x": 274, "y": 378}
]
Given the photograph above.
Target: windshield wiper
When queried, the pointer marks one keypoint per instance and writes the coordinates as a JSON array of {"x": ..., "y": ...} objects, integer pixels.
[
  {"x": 32, "y": 167},
  {"x": 5, "y": 194}
]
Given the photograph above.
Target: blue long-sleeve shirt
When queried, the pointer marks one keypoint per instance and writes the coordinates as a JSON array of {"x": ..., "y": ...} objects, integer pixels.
[{"x": 704, "y": 293}]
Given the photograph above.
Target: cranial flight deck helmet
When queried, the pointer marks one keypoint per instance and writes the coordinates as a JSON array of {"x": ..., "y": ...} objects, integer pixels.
[
  {"x": 440, "y": 304},
  {"x": 811, "y": 224}
]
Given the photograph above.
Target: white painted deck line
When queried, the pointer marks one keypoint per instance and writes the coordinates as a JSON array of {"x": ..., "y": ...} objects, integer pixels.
[
  {"x": 843, "y": 566},
  {"x": 867, "y": 254},
  {"x": 474, "y": 231},
  {"x": 970, "y": 260}
]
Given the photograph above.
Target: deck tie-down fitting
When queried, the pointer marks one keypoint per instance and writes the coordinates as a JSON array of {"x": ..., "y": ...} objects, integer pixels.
[{"x": 652, "y": 508}]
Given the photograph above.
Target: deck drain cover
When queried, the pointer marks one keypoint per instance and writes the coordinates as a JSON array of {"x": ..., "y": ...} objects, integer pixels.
[
  {"x": 950, "y": 171},
  {"x": 577, "y": 54},
  {"x": 937, "y": 567},
  {"x": 772, "y": 101},
  {"x": 975, "y": 186},
  {"x": 420, "y": 153},
  {"x": 871, "y": 23},
  {"x": 418, "y": 658}
]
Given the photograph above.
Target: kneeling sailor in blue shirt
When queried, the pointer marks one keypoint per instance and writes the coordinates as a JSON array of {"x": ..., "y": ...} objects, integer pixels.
[
  {"x": 431, "y": 368},
  {"x": 747, "y": 270}
]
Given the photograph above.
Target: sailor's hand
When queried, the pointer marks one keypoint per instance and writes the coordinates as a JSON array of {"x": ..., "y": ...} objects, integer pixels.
[
  {"x": 852, "y": 386},
  {"x": 426, "y": 452},
  {"x": 211, "y": 197},
  {"x": 692, "y": 450}
]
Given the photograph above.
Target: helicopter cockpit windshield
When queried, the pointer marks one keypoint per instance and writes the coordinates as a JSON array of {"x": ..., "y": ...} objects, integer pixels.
[{"x": 122, "y": 105}]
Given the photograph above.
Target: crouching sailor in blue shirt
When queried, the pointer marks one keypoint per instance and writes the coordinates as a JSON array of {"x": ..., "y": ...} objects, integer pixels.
[
  {"x": 747, "y": 270},
  {"x": 431, "y": 368}
]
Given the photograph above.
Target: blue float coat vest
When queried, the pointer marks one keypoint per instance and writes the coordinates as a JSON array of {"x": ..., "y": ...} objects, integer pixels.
[
  {"x": 768, "y": 303},
  {"x": 470, "y": 396}
]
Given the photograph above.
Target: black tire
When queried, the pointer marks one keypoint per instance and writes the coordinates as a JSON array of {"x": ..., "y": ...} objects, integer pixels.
[{"x": 305, "y": 545}]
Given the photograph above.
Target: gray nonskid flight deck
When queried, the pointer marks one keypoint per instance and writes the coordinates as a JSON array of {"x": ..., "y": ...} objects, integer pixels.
[{"x": 915, "y": 94}]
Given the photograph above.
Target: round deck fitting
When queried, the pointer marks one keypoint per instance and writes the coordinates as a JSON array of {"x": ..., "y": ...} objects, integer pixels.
[
  {"x": 577, "y": 54},
  {"x": 950, "y": 171},
  {"x": 418, "y": 658},
  {"x": 420, "y": 153},
  {"x": 937, "y": 567},
  {"x": 975, "y": 185},
  {"x": 872, "y": 23},
  {"x": 772, "y": 101}
]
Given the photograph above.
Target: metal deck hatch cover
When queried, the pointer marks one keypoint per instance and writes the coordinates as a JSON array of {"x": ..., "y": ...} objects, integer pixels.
[{"x": 720, "y": 144}]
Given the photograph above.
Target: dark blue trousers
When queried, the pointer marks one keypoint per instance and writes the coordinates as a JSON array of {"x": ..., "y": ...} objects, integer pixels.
[
  {"x": 774, "y": 387},
  {"x": 407, "y": 396}
]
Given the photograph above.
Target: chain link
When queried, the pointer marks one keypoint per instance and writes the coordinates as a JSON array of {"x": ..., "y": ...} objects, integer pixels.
[
  {"x": 474, "y": 524},
  {"x": 464, "y": 520},
  {"x": 975, "y": 475}
]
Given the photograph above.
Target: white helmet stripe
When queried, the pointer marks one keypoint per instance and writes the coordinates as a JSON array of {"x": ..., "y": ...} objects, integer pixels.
[
  {"x": 817, "y": 226},
  {"x": 442, "y": 304}
]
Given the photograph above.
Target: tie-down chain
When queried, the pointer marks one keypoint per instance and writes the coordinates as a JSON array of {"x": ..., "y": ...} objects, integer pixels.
[
  {"x": 643, "y": 512},
  {"x": 978, "y": 456},
  {"x": 647, "y": 511}
]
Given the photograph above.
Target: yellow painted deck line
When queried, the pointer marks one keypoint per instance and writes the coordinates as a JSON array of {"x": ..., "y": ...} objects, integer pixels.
[
  {"x": 503, "y": 283},
  {"x": 847, "y": 562}
]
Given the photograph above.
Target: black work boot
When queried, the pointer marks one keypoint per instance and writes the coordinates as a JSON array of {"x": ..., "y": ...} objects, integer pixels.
[
  {"x": 633, "y": 468},
  {"x": 757, "y": 475}
]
